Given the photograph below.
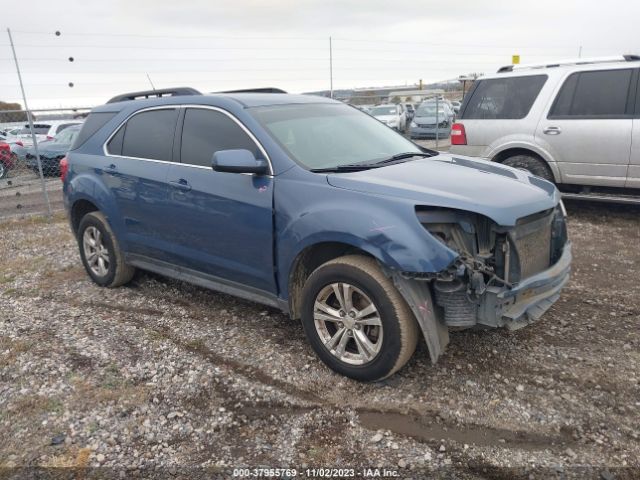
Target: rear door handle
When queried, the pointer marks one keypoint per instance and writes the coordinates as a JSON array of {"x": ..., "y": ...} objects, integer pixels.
[
  {"x": 111, "y": 169},
  {"x": 181, "y": 184},
  {"x": 552, "y": 131}
]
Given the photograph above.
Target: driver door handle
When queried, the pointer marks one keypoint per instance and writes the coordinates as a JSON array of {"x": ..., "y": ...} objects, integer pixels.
[
  {"x": 181, "y": 184},
  {"x": 552, "y": 131}
]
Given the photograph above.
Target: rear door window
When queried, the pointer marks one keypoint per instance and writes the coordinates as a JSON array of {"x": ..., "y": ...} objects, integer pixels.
[
  {"x": 506, "y": 98},
  {"x": 595, "y": 94},
  {"x": 208, "y": 131},
  {"x": 150, "y": 134}
]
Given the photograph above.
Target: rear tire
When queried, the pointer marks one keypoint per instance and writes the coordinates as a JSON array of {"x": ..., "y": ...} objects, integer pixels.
[
  {"x": 530, "y": 164},
  {"x": 378, "y": 343},
  {"x": 100, "y": 252}
]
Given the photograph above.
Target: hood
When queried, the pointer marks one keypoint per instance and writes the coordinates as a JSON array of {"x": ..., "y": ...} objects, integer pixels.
[
  {"x": 50, "y": 149},
  {"x": 501, "y": 193},
  {"x": 385, "y": 118}
]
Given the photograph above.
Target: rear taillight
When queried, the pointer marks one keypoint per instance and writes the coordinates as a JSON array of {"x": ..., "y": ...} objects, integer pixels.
[
  {"x": 458, "y": 135},
  {"x": 20, "y": 143},
  {"x": 64, "y": 168},
  {"x": 49, "y": 137}
]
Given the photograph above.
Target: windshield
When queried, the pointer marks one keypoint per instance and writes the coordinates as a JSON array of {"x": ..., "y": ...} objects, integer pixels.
[
  {"x": 66, "y": 136},
  {"x": 36, "y": 130},
  {"x": 384, "y": 111},
  {"x": 330, "y": 135},
  {"x": 429, "y": 111}
]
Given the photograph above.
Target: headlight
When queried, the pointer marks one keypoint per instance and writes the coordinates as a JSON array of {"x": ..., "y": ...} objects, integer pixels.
[{"x": 414, "y": 124}]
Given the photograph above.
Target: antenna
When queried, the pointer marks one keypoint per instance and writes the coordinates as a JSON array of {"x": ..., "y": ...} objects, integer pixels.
[{"x": 152, "y": 85}]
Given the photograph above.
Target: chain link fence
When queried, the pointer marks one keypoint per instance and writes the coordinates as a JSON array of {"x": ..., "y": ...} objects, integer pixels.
[{"x": 29, "y": 173}]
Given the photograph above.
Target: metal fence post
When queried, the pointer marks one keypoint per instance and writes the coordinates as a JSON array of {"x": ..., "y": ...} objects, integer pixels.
[
  {"x": 33, "y": 133},
  {"x": 437, "y": 122}
]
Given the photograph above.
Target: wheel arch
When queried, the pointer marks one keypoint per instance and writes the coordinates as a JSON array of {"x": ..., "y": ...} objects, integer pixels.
[
  {"x": 78, "y": 210},
  {"x": 512, "y": 151},
  {"x": 309, "y": 259}
]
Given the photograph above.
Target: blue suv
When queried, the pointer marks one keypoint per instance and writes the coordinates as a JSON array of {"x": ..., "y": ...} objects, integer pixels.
[{"x": 308, "y": 205}]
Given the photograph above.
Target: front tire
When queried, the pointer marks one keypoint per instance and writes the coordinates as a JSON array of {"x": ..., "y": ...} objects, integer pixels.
[
  {"x": 100, "y": 252},
  {"x": 356, "y": 320},
  {"x": 530, "y": 164}
]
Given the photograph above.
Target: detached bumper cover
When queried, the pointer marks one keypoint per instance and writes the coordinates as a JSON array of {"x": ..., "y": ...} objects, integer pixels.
[{"x": 529, "y": 300}]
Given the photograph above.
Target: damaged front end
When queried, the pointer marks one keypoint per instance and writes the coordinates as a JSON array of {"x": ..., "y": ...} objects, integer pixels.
[{"x": 502, "y": 277}]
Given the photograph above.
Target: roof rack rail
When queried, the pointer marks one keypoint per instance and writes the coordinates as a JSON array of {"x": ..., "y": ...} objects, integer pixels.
[
  {"x": 576, "y": 61},
  {"x": 255, "y": 90},
  {"x": 165, "y": 92}
]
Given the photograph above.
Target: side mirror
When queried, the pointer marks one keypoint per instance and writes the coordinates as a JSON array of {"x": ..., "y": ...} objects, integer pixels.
[{"x": 238, "y": 161}]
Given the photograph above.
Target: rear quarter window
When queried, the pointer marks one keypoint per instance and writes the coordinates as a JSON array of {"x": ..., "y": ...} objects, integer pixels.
[
  {"x": 93, "y": 123},
  {"x": 594, "y": 94},
  {"x": 508, "y": 98}
]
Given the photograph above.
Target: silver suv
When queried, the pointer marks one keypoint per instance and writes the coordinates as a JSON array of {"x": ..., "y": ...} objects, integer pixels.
[{"x": 576, "y": 124}]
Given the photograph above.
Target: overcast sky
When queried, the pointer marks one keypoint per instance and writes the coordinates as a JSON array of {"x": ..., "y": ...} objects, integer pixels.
[{"x": 216, "y": 45}]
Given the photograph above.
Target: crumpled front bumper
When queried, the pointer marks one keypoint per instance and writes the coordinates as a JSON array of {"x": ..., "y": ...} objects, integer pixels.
[{"x": 529, "y": 300}]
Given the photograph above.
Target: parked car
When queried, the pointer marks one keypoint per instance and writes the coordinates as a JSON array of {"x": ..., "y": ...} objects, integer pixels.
[
  {"x": 391, "y": 115},
  {"x": 52, "y": 152},
  {"x": 308, "y": 205},
  {"x": 44, "y": 131},
  {"x": 426, "y": 124},
  {"x": 7, "y": 161},
  {"x": 573, "y": 123}
]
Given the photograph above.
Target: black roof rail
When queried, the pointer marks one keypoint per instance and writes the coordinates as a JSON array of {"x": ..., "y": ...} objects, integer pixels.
[
  {"x": 631, "y": 58},
  {"x": 165, "y": 92},
  {"x": 506, "y": 68},
  {"x": 255, "y": 90}
]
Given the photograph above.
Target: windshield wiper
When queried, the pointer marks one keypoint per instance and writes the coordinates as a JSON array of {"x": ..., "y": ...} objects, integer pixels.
[
  {"x": 403, "y": 156},
  {"x": 355, "y": 167},
  {"x": 350, "y": 167}
]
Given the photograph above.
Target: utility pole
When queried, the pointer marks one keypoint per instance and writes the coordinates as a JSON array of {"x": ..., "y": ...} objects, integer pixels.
[
  {"x": 30, "y": 118},
  {"x": 330, "y": 68},
  {"x": 580, "y": 52}
]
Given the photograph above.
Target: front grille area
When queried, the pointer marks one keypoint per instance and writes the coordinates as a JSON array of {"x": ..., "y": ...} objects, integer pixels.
[{"x": 533, "y": 244}]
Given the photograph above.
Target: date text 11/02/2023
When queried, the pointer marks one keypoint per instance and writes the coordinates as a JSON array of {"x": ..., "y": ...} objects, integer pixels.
[{"x": 314, "y": 473}]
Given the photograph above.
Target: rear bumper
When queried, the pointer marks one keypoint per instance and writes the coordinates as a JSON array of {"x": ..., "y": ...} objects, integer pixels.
[{"x": 529, "y": 300}]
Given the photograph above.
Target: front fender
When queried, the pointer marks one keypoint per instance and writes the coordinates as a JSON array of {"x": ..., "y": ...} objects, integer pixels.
[{"x": 386, "y": 228}]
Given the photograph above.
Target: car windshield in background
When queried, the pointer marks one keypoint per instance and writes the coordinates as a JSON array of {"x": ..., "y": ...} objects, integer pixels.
[
  {"x": 320, "y": 136},
  {"x": 503, "y": 98},
  {"x": 36, "y": 130},
  {"x": 429, "y": 111},
  {"x": 384, "y": 111},
  {"x": 67, "y": 136}
]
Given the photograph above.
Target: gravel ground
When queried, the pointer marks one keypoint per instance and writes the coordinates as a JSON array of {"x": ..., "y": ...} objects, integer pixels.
[{"x": 163, "y": 379}]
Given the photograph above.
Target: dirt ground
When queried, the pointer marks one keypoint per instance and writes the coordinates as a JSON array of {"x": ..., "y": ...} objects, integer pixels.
[{"x": 163, "y": 379}]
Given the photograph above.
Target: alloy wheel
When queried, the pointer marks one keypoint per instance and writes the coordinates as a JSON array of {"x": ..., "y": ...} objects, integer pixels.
[
  {"x": 348, "y": 323},
  {"x": 95, "y": 252}
]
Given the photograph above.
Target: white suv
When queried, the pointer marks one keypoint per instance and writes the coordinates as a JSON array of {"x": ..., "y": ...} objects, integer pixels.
[
  {"x": 576, "y": 123},
  {"x": 44, "y": 130}
]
